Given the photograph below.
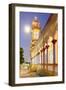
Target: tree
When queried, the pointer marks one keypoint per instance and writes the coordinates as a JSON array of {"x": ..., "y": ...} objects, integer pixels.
[{"x": 21, "y": 56}]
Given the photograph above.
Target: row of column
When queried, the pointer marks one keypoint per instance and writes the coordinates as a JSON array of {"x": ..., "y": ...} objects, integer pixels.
[{"x": 43, "y": 56}]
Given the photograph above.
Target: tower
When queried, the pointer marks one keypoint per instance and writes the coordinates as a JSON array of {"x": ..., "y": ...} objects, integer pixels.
[{"x": 35, "y": 31}]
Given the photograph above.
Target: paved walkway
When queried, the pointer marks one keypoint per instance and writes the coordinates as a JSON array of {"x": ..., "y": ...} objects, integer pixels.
[{"x": 27, "y": 73}]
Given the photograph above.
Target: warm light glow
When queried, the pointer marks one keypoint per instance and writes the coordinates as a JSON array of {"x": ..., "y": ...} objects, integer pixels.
[
  {"x": 27, "y": 29},
  {"x": 50, "y": 38}
]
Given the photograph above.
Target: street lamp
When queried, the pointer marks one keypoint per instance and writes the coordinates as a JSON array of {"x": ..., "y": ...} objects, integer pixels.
[{"x": 27, "y": 29}]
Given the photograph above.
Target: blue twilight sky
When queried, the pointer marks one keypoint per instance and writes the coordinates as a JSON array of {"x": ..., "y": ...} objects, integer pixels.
[{"x": 25, "y": 39}]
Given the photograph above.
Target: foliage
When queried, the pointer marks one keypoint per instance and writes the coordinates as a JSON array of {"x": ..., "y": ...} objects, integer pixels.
[{"x": 21, "y": 56}]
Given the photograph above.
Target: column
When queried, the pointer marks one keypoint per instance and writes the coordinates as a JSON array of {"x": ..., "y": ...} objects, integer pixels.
[
  {"x": 54, "y": 41},
  {"x": 47, "y": 46},
  {"x": 43, "y": 58}
]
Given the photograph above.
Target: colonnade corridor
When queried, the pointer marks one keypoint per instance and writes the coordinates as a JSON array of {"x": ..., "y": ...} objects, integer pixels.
[{"x": 45, "y": 61}]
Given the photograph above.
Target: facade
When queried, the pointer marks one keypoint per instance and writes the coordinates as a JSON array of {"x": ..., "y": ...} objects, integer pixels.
[{"x": 44, "y": 45}]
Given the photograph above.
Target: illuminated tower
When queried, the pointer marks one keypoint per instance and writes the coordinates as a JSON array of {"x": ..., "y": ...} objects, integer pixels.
[{"x": 35, "y": 31}]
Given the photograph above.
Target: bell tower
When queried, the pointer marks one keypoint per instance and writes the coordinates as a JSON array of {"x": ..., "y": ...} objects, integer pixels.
[{"x": 35, "y": 30}]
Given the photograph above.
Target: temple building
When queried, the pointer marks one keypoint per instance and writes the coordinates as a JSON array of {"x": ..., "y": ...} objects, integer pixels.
[{"x": 44, "y": 44}]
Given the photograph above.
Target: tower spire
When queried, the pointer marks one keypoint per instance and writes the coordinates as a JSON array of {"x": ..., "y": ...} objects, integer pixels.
[{"x": 35, "y": 31}]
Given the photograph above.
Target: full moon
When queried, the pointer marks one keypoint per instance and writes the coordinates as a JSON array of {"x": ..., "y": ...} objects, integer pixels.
[{"x": 27, "y": 29}]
